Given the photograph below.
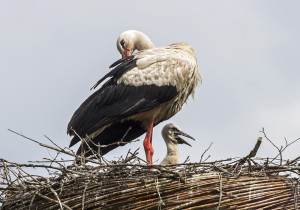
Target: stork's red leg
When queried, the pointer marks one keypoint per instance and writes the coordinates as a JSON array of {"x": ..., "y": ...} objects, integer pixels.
[{"x": 148, "y": 141}]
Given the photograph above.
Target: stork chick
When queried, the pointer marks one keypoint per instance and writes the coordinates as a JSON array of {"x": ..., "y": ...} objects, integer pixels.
[{"x": 171, "y": 133}]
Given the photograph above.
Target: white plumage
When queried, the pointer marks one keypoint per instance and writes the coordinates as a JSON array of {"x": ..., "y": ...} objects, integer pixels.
[
  {"x": 171, "y": 65},
  {"x": 144, "y": 89},
  {"x": 174, "y": 65}
]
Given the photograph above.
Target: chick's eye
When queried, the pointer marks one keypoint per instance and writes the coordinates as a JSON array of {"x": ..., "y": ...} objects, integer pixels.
[
  {"x": 173, "y": 129},
  {"x": 122, "y": 43}
]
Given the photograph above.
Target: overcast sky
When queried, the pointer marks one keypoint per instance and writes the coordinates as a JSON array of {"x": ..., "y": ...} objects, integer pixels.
[{"x": 53, "y": 52}]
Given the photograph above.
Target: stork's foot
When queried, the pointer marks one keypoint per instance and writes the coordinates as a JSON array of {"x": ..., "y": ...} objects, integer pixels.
[{"x": 149, "y": 151}]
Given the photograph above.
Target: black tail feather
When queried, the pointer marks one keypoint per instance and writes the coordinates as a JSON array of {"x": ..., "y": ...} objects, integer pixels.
[{"x": 118, "y": 134}]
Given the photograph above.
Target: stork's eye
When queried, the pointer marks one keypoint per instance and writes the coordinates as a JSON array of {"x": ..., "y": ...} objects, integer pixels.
[{"x": 122, "y": 43}]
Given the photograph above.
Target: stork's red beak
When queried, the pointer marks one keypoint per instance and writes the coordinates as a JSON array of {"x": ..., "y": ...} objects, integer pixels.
[{"x": 126, "y": 53}]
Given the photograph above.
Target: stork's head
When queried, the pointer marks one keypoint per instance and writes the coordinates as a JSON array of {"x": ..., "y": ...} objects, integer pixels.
[
  {"x": 171, "y": 134},
  {"x": 132, "y": 40}
]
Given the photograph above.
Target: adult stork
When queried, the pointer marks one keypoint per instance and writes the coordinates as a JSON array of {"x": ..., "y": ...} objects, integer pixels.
[
  {"x": 143, "y": 89},
  {"x": 171, "y": 134}
]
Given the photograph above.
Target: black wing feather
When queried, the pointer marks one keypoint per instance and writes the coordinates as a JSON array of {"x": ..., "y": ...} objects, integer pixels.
[
  {"x": 121, "y": 69},
  {"x": 113, "y": 102},
  {"x": 116, "y": 102},
  {"x": 121, "y": 60}
]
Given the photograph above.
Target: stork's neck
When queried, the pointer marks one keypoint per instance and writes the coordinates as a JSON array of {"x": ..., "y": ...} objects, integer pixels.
[
  {"x": 172, "y": 154},
  {"x": 172, "y": 149},
  {"x": 142, "y": 42}
]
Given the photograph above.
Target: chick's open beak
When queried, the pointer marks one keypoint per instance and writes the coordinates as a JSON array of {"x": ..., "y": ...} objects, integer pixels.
[{"x": 181, "y": 140}]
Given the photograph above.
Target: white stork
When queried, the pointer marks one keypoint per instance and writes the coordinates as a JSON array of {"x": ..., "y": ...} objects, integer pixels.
[
  {"x": 171, "y": 134},
  {"x": 143, "y": 89}
]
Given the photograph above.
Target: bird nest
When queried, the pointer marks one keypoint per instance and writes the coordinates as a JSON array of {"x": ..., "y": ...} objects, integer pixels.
[{"x": 129, "y": 183}]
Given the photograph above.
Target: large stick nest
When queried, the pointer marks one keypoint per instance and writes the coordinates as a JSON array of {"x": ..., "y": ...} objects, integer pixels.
[{"x": 129, "y": 183}]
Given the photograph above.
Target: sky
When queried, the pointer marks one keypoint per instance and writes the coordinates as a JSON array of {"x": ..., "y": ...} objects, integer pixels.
[{"x": 53, "y": 52}]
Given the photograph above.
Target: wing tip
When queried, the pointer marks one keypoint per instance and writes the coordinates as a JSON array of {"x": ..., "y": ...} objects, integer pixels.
[
  {"x": 74, "y": 141},
  {"x": 121, "y": 60}
]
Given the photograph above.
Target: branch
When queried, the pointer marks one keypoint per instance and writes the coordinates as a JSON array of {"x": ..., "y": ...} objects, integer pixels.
[
  {"x": 251, "y": 154},
  {"x": 205, "y": 151},
  {"x": 53, "y": 148},
  {"x": 281, "y": 149}
]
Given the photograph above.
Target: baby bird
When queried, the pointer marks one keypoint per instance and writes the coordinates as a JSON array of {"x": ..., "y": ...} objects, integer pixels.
[{"x": 171, "y": 133}]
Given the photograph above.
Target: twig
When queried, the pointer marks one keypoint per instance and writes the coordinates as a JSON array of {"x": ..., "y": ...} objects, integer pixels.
[
  {"x": 161, "y": 202},
  {"x": 296, "y": 194},
  {"x": 53, "y": 142},
  {"x": 31, "y": 201},
  {"x": 139, "y": 158},
  {"x": 50, "y": 147},
  {"x": 55, "y": 194},
  {"x": 281, "y": 149},
  {"x": 220, "y": 189},
  {"x": 205, "y": 151},
  {"x": 83, "y": 153},
  {"x": 83, "y": 196},
  {"x": 293, "y": 161},
  {"x": 52, "y": 200},
  {"x": 187, "y": 159},
  {"x": 251, "y": 154}
]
